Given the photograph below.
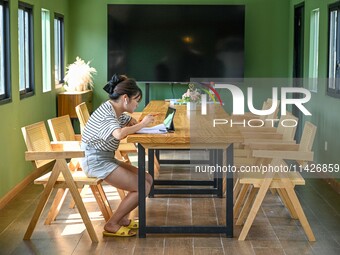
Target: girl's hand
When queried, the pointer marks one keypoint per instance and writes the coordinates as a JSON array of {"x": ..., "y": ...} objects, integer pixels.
[{"x": 147, "y": 120}]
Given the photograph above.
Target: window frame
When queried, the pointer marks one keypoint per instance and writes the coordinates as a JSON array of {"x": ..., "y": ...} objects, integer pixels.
[
  {"x": 59, "y": 49},
  {"x": 6, "y": 96},
  {"x": 334, "y": 92},
  {"x": 29, "y": 46},
  {"x": 46, "y": 50},
  {"x": 314, "y": 38}
]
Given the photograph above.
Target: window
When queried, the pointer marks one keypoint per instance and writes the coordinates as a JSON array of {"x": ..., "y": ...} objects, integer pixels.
[
  {"x": 5, "y": 88},
  {"x": 26, "y": 67},
  {"x": 334, "y": 51},
  {"x": 59, "y": 48},
  {"x": 46, "y": 50},
  {"x": 314, "y": 50}
]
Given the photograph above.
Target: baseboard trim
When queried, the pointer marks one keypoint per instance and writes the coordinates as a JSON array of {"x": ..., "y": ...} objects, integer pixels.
[{"x": 21, "y": 185}]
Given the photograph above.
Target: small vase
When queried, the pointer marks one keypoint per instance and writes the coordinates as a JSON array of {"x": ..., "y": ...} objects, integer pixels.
[{"x": 191, "y": 106}]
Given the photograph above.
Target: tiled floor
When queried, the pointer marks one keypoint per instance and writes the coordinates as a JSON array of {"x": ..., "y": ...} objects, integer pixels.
[{"x": 273, "y": 231}]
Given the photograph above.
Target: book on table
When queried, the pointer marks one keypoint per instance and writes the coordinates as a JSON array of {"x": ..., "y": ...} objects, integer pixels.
[{"x": 166, "y": 126}]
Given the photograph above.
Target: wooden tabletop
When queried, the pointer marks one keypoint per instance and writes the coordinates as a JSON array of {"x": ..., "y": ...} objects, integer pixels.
[{"x": 191, "y": 128}]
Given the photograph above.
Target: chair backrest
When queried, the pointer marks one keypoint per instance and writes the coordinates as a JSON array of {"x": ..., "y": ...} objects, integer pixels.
[
  {"x": 61, "y": 128},
  {"x": 267, "y": 105},
  {"x": 37, "y": 139},
  {"x": 307, "y": 138},
  {"x": 83, "y": 115},
  {"x": 287, "y": 130}
]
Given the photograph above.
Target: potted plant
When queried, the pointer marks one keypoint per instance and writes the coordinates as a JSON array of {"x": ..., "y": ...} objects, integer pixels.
[
  {"x": 191, "y": 97},
  {"x": 79, "y": 76}
]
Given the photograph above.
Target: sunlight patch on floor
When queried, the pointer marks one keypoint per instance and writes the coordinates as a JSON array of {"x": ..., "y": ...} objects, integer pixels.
[{"x": 73, "y": 229}]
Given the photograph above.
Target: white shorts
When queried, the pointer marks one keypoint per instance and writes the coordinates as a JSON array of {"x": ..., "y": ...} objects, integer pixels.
[{"x": 96, "y": 163}]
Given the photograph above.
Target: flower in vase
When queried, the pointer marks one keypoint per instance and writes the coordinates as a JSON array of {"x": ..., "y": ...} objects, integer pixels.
[
  {"x": 191, "y": 95},
  {"x": 79, "y": 76}
]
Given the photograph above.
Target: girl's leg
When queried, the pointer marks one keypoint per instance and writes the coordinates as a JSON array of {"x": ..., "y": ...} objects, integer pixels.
[
  {"x": 125, "y": 221},
  {"x": 134, "y": 169},
  {"x": 125, "y": 179}
]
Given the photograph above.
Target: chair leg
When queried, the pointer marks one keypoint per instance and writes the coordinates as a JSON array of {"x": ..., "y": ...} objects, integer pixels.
[
  {"x": 83, "y": 192},
  {"x": 240, "y": 199},
  {"x": 156, "y": 167},
  {"x": 237, "y": 188},
  {"x": 42, "y": 202},
  {"x": 56, "y": 205},
  {"x": 77, "y": 198},
  {"x": 255, "y": 208},
  {"x": 224, "y": 185},
  {"x": 74, "y": 164},
  {"x": 100, "y": 202},
  {"x": 289, "y": 187},
  {"x": 104, "y": 197},
  {"x": 126, "y": 157},
  {"x": 247, "y": 205},
  {"x": 121, "y": 193},
  {"x": 287, "y": 203}
]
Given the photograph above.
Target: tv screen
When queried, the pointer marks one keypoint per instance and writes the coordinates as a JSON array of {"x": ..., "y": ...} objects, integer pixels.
[{"x": 173, "y": 43}]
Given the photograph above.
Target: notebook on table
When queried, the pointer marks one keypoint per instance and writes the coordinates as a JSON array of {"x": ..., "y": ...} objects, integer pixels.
[{"x": 165, "y": 127}]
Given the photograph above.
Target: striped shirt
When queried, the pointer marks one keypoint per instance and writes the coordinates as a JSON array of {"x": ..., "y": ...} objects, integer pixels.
[{"x": 98, "y": 130}]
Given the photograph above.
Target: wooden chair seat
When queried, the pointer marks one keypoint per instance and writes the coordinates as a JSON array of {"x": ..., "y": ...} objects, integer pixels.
[
  {"x": 256, "y": 179},
  {"x": 79, "y": 178}
]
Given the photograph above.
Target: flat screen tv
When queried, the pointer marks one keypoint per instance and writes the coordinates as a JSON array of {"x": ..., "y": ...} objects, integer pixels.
[{"x": 173, "y": 43}]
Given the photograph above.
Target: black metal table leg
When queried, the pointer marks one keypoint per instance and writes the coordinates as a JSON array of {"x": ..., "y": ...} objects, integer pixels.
[
  {"x": 141, "y": 192},
  {"x": 151, "y": 154},
  {"x": 219, "y": 175},
  {"x": 227, "y": 229},
  {"x": 229, "y": 195}
]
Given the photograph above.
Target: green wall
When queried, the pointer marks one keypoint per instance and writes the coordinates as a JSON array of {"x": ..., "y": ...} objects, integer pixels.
[
  {"x": 266, "y": 33},
  {"x": 19, "y": 113},
  {"x": 324, "y": 109},
  {"x": 268, "y": 53}
]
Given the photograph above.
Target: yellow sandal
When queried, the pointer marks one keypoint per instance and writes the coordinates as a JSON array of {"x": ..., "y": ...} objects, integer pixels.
[
  {"x": 121, "y": 232},
  {"x": 134, "y": 224}
]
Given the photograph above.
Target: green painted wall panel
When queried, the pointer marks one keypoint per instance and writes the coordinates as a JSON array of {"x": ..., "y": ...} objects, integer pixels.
[
  {"x": 266, "y": 55},
  {"x": 324, "y": 109},
  {"x": 18, "y": 113}
]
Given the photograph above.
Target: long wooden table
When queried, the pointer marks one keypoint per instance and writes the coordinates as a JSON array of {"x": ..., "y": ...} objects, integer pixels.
[{"x": 192, "y": 131}]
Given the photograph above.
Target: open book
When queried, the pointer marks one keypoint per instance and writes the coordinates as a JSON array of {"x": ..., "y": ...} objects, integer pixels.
[{"x": 158, "y": 129}]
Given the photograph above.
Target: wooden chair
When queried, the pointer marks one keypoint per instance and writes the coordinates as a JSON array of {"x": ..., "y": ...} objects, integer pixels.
[
  {"x": 62, "y": 130},
  {"x": 242, "y": 154},
  {"x": 257, "y": 184},
  {"x": 41, "y": 151},
  {"x": 83, "y": 115},
  {"x": 265, "y": 135}
]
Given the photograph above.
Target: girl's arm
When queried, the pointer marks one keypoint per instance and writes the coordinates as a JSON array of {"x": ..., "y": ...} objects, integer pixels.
[{"x": 121, "y": 133}]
